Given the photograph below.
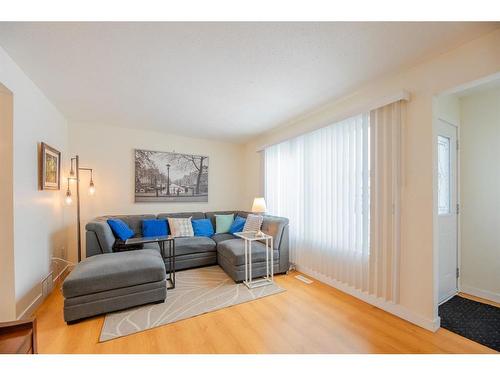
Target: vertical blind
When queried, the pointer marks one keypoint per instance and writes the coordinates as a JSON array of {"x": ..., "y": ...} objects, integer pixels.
[
  {"x": 321, "y": 181},
  {"x": 386, "y": 123}
]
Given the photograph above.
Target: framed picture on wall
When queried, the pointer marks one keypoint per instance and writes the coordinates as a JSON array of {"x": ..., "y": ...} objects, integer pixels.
[
  {"x": 49, "y": 169},
  {"x": 170, "y": 177}
]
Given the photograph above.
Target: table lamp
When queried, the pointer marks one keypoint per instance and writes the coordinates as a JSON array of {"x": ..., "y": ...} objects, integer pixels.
[{"x": 259, "y": 207}]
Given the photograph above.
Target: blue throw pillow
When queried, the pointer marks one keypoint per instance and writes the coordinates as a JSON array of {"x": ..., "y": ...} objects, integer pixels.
[
  {"x": 202, "y": 228},
  {"x": 237, "y": 225},
  {"x": 120, "y": 229},
  {"x": 154, "y": 227}
]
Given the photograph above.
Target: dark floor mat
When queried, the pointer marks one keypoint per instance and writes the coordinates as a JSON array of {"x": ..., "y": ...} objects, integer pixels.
[{"x": 477, "y": 321}]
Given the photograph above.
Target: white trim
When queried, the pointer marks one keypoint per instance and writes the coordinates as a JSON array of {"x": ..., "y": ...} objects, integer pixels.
[
  {"x": 459, "y": 202},
  {"x": 448, "y": 122},
  {"x": 40, "y": 298},
  {"x": 435, "y": 237},
  {"x": 471, "y": 84},
  {"x": 392, "y": 308},
  {"x": 367, "y": 107},
  {"x": 60, "y": 273},
  {"x": 31, "y": 308},
  {"x": 450, "y": 296},
  {"x": 435, "y": 119},
  {"x": 486, "y": 294}
]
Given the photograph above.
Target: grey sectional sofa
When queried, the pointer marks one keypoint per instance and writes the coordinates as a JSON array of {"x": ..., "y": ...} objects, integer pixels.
[{"x": 223, "y": 249}]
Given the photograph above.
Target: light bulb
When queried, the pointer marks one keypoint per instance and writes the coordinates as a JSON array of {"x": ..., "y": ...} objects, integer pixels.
[
  {"x": 68, "y": 198},
  {"x": 91, "y": 188}
]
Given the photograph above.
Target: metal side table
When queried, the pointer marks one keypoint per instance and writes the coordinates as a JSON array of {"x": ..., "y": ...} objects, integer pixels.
[{"x": 250, "y": 237}]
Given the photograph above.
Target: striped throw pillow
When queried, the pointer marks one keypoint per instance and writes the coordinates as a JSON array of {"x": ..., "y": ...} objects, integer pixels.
[
  {"x": 180, "y": 227},
  {"x": 253, "y": 223}
]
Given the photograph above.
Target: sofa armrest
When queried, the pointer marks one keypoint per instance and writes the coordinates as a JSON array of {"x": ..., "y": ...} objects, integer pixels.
[
  {"x": 275, "y": 227},
  {"x": 284, "y": 250},
  {"x": 99, "y": 238},
  {"x": 278, "y": 228}
]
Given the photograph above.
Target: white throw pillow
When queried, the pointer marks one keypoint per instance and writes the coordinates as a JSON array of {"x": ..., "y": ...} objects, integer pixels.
[
  {"x": 253, "y": 223},
  {"x": 180, "y": 227}
]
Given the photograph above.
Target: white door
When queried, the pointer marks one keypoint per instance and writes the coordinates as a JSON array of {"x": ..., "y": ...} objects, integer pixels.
[{"x": 447, "y": 210}]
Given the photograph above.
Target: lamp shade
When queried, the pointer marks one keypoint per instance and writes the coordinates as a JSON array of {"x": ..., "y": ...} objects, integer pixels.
[
  {"x": 92, "y": 188},
  {"x": 259, "y": 205}
]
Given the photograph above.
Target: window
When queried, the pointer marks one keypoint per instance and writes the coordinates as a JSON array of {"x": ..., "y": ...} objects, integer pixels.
[
  {"x": 340, "y": 188},
  {"x": 444, "y": 169},
  {"x": 320, "y": 181}
]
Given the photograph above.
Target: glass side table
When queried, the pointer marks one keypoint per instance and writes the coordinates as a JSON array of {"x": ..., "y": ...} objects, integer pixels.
[{"x": 250, "y": 237}]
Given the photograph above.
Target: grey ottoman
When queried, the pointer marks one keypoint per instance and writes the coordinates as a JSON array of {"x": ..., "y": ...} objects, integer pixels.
[{"x": 114, "y": 281}]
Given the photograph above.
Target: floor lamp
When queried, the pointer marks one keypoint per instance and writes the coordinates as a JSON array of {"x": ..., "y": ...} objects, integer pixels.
[{"x": 74, "y": 174}]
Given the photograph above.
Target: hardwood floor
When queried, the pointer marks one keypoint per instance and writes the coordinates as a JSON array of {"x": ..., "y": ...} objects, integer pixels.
[
  {"x": 479, "y": 299},
  {"x": 313, "y": 318}
]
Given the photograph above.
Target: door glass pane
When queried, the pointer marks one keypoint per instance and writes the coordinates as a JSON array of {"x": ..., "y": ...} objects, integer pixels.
[{"x": 444, "y": 178}]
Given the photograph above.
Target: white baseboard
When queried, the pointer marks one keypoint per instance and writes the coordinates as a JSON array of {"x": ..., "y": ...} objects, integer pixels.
[
  {"x": 481, "y": 293},
  {"x": 392, "y": 308},
  {"x": 37, "y": 301},
  {"x": 28, "y": 312},
  {"x": 450, "y": 296},
  {"x": 61, "y": 273}
]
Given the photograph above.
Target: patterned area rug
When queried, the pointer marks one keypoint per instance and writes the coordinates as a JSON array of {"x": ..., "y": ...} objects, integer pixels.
[
  {"x": 477, "y": 321},
  {"x": 196, "y": 292}
]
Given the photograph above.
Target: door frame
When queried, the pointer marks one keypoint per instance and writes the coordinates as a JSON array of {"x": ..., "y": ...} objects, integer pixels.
[
  {"x": 458, "y": 202},
  {"x": 435, "y": 228}
]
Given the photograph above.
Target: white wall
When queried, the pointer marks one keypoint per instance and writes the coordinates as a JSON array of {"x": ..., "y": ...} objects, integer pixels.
[
  {"x": 110, "y": 151},
  {"x": 480, "y": 194},
  {"x": 448, "y": 109},
  {"x": 472, "y": 61},
  {"x": 39, "y": 229}
]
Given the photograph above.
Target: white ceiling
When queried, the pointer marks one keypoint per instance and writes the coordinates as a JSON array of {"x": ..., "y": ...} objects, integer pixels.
[{"x": 228, "y": 81}]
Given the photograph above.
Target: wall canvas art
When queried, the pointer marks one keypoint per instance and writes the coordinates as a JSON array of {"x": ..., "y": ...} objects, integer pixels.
[
  {"x": 50, "y": 168},
  {"x": 170, "y": 177}
]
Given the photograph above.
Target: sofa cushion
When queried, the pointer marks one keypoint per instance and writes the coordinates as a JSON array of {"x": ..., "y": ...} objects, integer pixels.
[
  {"x": 237, "y": 225},
  {"x": 133, "y": 221},
  {"x": 202, "y": 228},
  {"x": 153, "y": 246},
  {"x": 234, "y": 251},
  {"x": 211, "y": 215},
  {"x": 223, "y": 223},
  {"x": 187, "y": 245},
  {"x": 219, "y": 237},
  {"x": 192, "y": 245},
  {"x": 154, "y": 227},
  {"x": 253, "y": 223},
  {"x": 120, "y": 229},
  {"x": 115, "y": 270},
  {"x": 180, "y": 226}
]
